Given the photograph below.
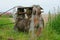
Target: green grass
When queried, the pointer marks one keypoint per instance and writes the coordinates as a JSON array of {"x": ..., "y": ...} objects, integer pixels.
[
  {"x": 52, "y": 29},
  {"x": 56, "y": 24},
  {"x": 7, "y": 31},
  {"x": 50, "y": 32},
  {"x": 4, "y": 22}
]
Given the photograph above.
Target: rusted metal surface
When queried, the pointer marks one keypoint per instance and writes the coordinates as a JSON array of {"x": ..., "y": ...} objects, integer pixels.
[{"x": 23, "y": 23}]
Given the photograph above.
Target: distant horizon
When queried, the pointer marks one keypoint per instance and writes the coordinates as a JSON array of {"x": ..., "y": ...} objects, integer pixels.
[{"x": 45, "y": 4}]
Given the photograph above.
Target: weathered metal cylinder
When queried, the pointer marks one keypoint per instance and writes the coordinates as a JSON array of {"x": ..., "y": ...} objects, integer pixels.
[{"x": 22, "y": 23}]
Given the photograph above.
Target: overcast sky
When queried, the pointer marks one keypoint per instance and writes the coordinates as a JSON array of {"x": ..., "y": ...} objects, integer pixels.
[{"x": 45, "y": 4}]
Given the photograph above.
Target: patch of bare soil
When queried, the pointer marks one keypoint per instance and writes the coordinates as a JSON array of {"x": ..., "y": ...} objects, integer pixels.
[{"x": 12, "y": 19}]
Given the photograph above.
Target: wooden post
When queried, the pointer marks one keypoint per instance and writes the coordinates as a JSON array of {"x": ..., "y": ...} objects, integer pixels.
[{"x": 31, "y": 31}]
